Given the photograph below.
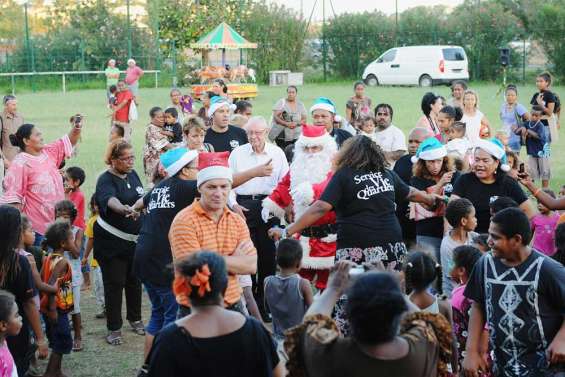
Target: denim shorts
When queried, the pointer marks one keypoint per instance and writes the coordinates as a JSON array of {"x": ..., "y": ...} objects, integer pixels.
[
  {"x": 164, "y": 307},
  {"x": 59, "y": 334}
]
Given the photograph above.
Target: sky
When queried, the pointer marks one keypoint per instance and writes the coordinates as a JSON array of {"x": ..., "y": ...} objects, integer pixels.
[{"x": 351, "y": 6}]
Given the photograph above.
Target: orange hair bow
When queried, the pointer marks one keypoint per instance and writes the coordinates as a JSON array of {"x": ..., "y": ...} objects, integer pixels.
[{"x": 200, "y": 280}]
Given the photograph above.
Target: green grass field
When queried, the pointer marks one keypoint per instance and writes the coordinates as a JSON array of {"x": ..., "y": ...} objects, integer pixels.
[{"x": 51, "y": 111}]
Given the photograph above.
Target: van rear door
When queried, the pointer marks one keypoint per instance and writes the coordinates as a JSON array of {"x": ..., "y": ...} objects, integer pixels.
[{"x": 454, "y": 61}]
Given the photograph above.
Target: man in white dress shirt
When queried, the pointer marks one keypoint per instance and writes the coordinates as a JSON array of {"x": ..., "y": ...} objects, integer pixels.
[
  {"x": 251, "y": 194},
  {"x": 390, "y": 138}
]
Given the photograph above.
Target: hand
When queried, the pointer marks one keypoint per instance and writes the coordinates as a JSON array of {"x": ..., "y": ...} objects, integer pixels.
[
  {"x": 275, "y": 233},
  {"x": 243, "y": 248},
  {"x": 264, "y": 170},
  {"x": 240, "y": 210},
  {"x": 434, "y": 201},
  {"x": 289, "y": 214},
  {"x": 446, "y": 178},
  {"x": 540, "y": 100},
  {"x": 473, "y": 364},
  {"x": 131, "y": 213},
  {"x": 556, "y": 351},
  {"x": 83, "y": 261},
  {"x": 42, "y": 350},
  {"x": 339, "y": 276}
]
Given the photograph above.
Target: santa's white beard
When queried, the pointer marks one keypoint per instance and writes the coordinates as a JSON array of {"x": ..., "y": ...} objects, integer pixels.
[{"x": 312, "y": 168}]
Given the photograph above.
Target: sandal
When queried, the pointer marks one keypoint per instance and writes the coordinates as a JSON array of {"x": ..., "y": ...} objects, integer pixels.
[
  {"x": 77, "y": 345},
  {"x": 137, "y": 327},
  {"x": 114, "y": 338}
]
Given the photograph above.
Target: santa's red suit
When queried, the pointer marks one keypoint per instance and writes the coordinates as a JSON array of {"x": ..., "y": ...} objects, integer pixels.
[{"x": 305, "y": 182}]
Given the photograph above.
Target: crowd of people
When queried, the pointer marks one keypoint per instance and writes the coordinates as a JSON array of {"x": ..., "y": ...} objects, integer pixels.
[{"x": 335, "y": 247}]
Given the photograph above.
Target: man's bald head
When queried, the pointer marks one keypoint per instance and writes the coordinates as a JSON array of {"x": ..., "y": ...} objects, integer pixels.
[{"x": 415, "y": 138}]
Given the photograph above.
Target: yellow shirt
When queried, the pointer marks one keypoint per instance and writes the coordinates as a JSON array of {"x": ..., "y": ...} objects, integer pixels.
[{"x": 89, "y": 232}]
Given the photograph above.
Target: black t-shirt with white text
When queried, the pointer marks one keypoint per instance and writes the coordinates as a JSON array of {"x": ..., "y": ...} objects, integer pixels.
[
  {"x": 153, "y": 251},
  {"x": 524, "y": 307},
  {"x": 480, "y": 194},
  {"x": 226, "y": 141},
  {"x": 365, "y": 204}
]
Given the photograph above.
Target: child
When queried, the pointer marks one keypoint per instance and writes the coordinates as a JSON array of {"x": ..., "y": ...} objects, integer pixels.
[
  {"x": 367, "y": 126},
  {"x": 95, "y": 268},
  {"x": 287, "y": 295},
  {"x": 116, "y": 132},
  {"x": 498, "y": 203},
  {"x": 503, "y": 137},
  {"x": 543, "y": 225},
  {"x": 172, "y": 128},
  {"x": 194, "y": 131},
  {"x": 534, "y": 133},
  {"x": 420, "y": 272},
  {"x": 10, "y": 325},
  {"x": 55, "y": 307},
  {"x": 464, "y": 259},
  {"x": 481, "y": 243},
  {"x": 112, "y": 100},
  {"x": 66, "y": 211},
  {"x": 548, "y": 101},
  {"x": 74, "y": 178},
  {"x": 460, "y": 214},
  {"x": 458, "y": 145},
  {"x": 514, "y": 163}
]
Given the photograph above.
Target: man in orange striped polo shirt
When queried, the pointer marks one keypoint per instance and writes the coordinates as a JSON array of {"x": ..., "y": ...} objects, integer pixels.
[{"x": 209, "y": 225}]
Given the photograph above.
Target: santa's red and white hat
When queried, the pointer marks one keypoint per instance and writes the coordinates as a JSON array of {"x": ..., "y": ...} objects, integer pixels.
[
  {"x": 314, "y": 136},
  {"x": 213, "y": 166}
]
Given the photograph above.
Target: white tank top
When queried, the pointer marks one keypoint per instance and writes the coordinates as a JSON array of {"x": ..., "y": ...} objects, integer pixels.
[{"x": 473, "y": 126}]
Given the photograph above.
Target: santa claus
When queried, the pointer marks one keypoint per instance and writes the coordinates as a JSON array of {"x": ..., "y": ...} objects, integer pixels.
[{"x": 305, "y": 182}]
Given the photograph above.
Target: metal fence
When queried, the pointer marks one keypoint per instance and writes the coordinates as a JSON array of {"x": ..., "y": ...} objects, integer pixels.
[{"x": 64, "y": 75}]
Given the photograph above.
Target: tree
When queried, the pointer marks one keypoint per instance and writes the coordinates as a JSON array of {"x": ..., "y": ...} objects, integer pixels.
[{"x": 549, "y": 28}]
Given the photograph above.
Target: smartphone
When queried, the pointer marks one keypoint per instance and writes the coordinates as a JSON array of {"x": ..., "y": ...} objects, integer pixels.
[
  {"x": 521, "y": 168},
  {"x": 357, "y": 270}
]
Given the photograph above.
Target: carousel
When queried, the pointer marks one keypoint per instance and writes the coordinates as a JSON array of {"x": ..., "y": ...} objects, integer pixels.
[{"x": 224, "y": 57}]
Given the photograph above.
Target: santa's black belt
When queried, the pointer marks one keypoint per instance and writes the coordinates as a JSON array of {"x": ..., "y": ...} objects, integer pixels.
[
  {"x": 319, "y": 231},
  {"x": 251, "y": 197}
]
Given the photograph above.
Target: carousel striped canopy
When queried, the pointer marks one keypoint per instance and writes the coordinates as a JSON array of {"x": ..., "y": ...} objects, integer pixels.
[{"x": 223, "y": 36}]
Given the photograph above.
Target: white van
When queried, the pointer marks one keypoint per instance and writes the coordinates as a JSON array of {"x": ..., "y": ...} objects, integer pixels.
[{"x": 418, "y": 65}]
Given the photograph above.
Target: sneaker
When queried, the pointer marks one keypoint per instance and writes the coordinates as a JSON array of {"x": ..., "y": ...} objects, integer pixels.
[{"x": 101, "y": 314}]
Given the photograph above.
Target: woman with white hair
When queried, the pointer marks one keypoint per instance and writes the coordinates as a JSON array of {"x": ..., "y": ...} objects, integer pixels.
[{"x": 133, "y": 74}]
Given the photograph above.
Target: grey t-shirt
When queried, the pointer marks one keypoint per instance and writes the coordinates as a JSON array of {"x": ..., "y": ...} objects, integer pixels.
[{"x": 446, "y": 253}]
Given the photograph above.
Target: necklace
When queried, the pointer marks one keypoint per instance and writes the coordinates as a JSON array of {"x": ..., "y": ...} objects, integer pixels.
[{"x": 125, "y": 177}]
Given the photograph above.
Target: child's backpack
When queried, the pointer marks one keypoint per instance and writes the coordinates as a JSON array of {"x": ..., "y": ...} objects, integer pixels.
[{"x": 64, "y": 297}]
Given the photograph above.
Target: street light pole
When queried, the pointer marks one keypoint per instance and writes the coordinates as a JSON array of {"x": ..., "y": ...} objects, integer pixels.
[{"x": 129, "y": 29}]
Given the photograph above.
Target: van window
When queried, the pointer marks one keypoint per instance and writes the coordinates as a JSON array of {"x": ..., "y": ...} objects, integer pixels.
[
  {"x": 388, "y": 57},
  {"x": 453, "y": 54}
]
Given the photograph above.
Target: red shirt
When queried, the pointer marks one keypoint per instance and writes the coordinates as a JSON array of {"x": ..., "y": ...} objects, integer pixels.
[
  {"x": 77, "y": 197},
  {"x": 122, "y": 115}
]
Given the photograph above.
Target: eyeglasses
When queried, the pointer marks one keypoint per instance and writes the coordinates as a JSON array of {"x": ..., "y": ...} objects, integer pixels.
[{"x": 127, "y": 159}]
